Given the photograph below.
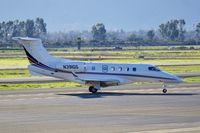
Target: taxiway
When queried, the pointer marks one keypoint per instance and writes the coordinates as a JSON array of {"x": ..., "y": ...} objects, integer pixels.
[{"x": 140, "y": 108}]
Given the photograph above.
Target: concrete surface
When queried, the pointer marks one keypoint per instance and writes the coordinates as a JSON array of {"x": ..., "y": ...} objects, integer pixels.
[{"x": 140, "y": 108}]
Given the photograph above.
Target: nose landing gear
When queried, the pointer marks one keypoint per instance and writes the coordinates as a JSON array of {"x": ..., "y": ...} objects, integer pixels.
[{"x": 164, "y": 88}]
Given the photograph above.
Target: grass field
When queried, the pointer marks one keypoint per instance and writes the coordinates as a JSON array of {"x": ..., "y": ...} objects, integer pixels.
[
  {"x": 155, "y": 61},
  {"x": 181, "y": 69},
  {"x": 14, "y": 73},
  {"x": 192, "y": 80},
  {"x": 151, "y": 51},
  {"x": 14, "y": 62},
  {"x": 38, "y": 86},
  {"x": 21, "y": 62}
]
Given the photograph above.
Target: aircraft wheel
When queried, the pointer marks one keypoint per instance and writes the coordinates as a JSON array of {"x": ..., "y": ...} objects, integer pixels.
[
  {"x": 164, "y": 90},
  {"x": 92, "y": 89}
]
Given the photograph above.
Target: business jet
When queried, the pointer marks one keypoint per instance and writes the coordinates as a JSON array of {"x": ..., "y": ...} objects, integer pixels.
[{"x": 95, "y": 75}]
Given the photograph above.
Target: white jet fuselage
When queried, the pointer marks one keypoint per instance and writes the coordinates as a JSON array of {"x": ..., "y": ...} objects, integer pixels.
[
  {"x": 96, "y": 75},
  {"x": 88, "y": 71}
]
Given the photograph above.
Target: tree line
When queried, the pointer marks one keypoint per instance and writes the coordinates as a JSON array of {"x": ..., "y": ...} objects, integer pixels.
[
  {"x": 171, "y": 32},
  {"x": 30, "y": 27}
]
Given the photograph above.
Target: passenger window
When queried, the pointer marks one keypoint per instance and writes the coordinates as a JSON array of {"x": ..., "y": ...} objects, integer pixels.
[
  {"x": 93, "y": 68},
  {"x": 112, "y": 68},
  {"x": 120, "y": 68},
  {"x": 127, "y": 69},
  {"x": 134, "y": 69}
]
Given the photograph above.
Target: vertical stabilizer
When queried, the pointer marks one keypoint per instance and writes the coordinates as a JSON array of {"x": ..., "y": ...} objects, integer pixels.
[{"x": 34, "y": 50}]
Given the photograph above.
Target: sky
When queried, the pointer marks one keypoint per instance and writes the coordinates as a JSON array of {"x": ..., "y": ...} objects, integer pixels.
[{"x": 79, "y": 15}]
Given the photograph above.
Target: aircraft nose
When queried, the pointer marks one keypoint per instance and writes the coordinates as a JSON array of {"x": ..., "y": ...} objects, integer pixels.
[
  {"x": 177, "y": 79},
  {"x": 174, "y": 78}
]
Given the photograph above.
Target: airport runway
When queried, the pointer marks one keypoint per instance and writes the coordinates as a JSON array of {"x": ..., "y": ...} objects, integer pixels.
[{"x": 141, "y": 109}]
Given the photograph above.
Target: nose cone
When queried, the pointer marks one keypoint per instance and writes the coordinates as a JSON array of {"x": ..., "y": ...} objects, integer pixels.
[
  {"x": 172, "y": 78},
  {"x": 177, "y": 79}
]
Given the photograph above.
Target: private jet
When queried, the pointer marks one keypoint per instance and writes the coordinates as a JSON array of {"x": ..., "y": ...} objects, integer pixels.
[{"x": 95, "y": 75}]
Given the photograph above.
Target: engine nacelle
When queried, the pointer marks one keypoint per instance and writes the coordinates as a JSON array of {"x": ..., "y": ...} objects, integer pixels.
[{"x": 72, "y": 67}]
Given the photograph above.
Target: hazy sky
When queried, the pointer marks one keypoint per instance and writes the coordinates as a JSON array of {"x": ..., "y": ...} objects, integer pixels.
[{"x": 65, "y": 15}]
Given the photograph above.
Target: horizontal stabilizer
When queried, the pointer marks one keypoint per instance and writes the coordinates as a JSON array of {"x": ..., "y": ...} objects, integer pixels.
[{"x": 27, "y": 40}]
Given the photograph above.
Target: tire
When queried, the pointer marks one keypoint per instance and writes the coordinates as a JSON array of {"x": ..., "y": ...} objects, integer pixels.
[
  {"x": 164, "y": 90},
  {"x": 92, "y": 89}
]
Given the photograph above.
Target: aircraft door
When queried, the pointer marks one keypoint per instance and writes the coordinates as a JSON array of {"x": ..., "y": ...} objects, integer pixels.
[
  {"x": 104, "y": 68},
  {"x": 85, "y": 67}
]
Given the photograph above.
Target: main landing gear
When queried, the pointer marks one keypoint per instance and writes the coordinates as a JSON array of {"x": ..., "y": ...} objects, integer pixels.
[
  {"x": 94, "y": 86},
  {"x": 92, "y": 89},
  {"x": 164, "y": 88}
]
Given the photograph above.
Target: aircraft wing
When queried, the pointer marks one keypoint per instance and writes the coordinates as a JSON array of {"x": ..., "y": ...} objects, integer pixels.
[{"x": 104, "y": 82}]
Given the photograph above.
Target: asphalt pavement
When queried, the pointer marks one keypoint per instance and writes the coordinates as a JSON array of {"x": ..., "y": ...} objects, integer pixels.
[{"x": 129, "y": 108}]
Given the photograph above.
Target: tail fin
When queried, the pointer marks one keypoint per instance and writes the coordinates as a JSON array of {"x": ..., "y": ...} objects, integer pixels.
[{"x": 34, "y": 50}]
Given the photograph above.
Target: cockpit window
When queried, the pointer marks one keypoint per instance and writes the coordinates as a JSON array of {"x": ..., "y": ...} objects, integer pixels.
[{"x": 154, "y": 69}]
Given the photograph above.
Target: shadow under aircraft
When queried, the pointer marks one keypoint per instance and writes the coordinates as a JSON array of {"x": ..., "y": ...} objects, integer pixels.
[{"x": 115, "y": 94}]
